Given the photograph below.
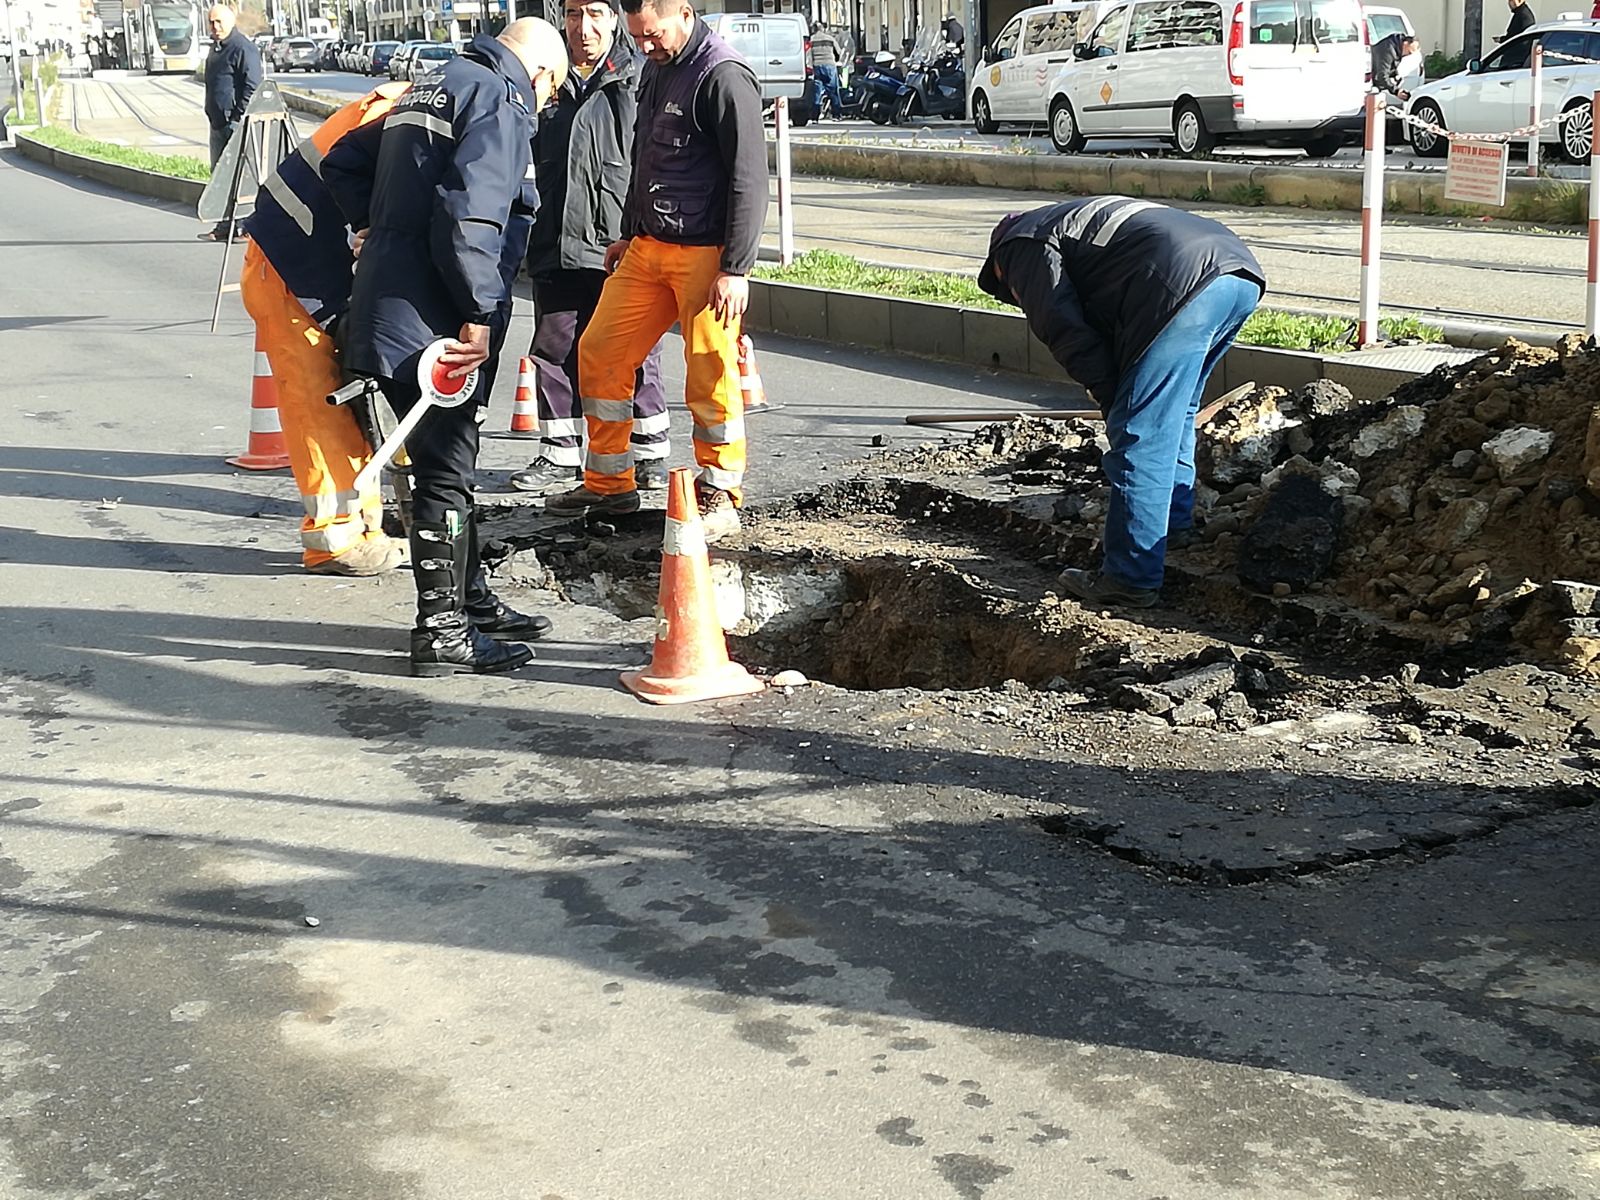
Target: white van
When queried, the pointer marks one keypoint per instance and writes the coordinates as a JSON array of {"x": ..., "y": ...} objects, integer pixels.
[
  {"x": 778, "y": 48},
  {"x": 1012, "y": 82},
  {"x": 1283, "y": 72}
]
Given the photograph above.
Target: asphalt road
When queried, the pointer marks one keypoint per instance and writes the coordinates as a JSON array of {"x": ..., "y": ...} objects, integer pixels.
[{"x": 574, "y": 946}]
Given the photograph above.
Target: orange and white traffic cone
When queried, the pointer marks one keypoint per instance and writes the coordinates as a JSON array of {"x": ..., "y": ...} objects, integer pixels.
[
  {"x": 755, "y": 395},
  {"x": 690, "y": 658},
  {"x": 266, "y": 450},
  {"x": 524, "y": 413}
]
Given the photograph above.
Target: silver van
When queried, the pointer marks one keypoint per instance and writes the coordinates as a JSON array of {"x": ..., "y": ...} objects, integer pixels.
[{"x": 778, "y": 48}]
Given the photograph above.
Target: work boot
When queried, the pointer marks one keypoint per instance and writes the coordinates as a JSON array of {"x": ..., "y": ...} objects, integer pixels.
[
  {"x": 542, "y": 475},
  {"x": 444, "y": 640},
  {"x": 650, "y": 475},
  {"x": 719, "y": 516},
  {"x": 581, "y": 500},
  {"x": 371, "y": 556},
  {"x": 1099, "y": 589},
  {"x": 491, "y": 615}
]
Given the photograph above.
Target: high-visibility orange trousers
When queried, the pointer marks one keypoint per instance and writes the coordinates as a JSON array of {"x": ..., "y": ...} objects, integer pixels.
[
  {"x": 326, "y": 448},
  {"x": 656, "y": 284}
]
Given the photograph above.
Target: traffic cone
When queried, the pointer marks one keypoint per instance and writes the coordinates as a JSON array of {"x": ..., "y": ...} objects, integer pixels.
[
  {"x": 690, "y": 658},
  {"x": 524, "y": 413},
  {"x": 755, "y": 396},
  {"x": 266, "y": 450}
]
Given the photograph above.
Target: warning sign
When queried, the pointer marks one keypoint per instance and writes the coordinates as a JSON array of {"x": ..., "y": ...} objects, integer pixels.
[{"x": 1476, "y": 172}]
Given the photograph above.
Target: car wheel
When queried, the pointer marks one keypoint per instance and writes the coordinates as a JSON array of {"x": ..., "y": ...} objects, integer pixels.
[
  {"x": 1065, "y": 135},
  {"x": 1425, "y": 141},
  {"x": 1189, "y": 132},
  {"x": 1324, "y": 147},
  {"x": 799, "y": 114},
  {"x": 1577, "y": 132},
  {"x": 982, "y": 118}
]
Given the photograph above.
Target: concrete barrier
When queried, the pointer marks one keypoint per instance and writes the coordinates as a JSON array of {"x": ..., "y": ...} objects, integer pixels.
[
  {"x": 1157, "y": 178},
  {"x": 1002, "y": 340},
  {"x": 127, "y": 179}
]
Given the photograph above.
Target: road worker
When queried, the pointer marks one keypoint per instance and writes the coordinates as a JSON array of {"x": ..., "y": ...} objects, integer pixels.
[{"x": 296, "y": 280}]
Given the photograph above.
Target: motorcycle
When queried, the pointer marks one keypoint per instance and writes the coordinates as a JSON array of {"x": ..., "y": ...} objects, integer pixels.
[
  {"x": 935, "y": 81},
  {"x": 880, "y": 88}
]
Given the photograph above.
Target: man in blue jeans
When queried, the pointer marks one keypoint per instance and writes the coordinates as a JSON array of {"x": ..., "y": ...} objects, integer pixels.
[{"x": 1139, "y": 302}]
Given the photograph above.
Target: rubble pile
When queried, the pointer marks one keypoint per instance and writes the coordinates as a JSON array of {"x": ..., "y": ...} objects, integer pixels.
[{"x": 1466, "y": 506}]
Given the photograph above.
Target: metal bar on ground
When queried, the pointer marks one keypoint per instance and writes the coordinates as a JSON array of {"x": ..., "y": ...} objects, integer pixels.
[
  {"x": 1371, "y": 220},
  {"x": 785, "y": 190},
  {"x": 1535, "y": 107},
  {"x": 1066, "y": 414},
  {"x": 1591, "y": 289}
]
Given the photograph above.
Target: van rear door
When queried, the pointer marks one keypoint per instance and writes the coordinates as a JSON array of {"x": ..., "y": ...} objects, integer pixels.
[
  {"x": 1303, "y": 61},
  {"x": 785, "y": 67}
]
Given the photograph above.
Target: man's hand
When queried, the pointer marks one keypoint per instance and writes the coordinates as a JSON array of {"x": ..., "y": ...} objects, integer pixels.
[
  {"x": 614, "y": 253},
  {"x": 730, "y": 296},
  {"x": 1403, "y": 94},
  {"x": 468, "y": 352},
  {"x": 360, "y": 241}
]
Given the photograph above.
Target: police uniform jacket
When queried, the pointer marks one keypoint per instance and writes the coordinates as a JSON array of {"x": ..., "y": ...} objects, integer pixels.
[
  {"x": 1100, "y": 278},
  {"x": 444, "y": 188}
]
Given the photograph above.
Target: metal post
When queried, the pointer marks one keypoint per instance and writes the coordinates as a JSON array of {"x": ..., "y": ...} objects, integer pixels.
[
  {"x": 16, "y": 59},
  {"x": 1371, "y": 220},
  {"x": 1591, "y": 289},
  {"x": 785, "y": 199},
  {"x": 1536, "y": 108},
  {"x": 38, "y": 87}
]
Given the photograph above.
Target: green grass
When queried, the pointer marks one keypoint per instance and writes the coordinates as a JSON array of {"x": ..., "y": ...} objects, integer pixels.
[
  {"x": 180, "y": 166},
  {"x": 837, "y": 272},
  {"x": 1246, "y": 195}
]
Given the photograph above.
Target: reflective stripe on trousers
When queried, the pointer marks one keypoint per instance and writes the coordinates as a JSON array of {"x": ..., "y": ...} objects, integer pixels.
[
  {"x": 325, "y": 445},
  {"x": 656, "y": 284}
]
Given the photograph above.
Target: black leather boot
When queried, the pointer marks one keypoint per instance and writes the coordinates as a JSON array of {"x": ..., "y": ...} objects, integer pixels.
[
  {"x": 491, "y": 615},
  {"x": 444, "y": 641}
]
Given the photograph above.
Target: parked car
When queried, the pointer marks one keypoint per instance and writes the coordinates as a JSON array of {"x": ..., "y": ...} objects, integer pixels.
[
  {"x": 377, "y": 56},
  {"x": 1279, "y": 72},
  {"x": 397, "y": 63},
  {"x": 299, "y": 54},
  {"x": 778, "y": 48},
  {"x": 328, "y": 54},
  {"x": 1012, "y": 82},
  {"x": 274, "y": 51},
  {"x": 429, "y": 58},
  {"x": 1495, "y": 94}
]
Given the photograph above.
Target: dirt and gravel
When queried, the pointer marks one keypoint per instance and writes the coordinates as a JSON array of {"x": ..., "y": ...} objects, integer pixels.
[{"x": 1321, "y": 646}]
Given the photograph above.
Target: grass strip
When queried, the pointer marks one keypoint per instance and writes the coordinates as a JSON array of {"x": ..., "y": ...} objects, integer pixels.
[
  {"x": 1266, "y": 327},
  {"x": 179, "y": 166}
]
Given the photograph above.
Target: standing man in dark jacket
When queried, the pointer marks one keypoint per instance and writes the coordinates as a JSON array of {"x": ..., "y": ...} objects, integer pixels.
[
  {"x": 441, "y": 196},
  {"x": 581, "y": 157},
  {"x": 1522, "y": 18},
  {"x": 233, "y": 73},
  {"x": 1138, "y": 302},
  {"x": 691, "y": 227},
  {"x": 1387, "y": 55}
]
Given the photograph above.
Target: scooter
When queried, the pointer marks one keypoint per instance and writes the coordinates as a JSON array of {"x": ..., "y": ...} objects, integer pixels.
[
  {"x": 935, "y": 83},
  {"x": 853, "y": 97},
  {"x": 880, "y": 88}
]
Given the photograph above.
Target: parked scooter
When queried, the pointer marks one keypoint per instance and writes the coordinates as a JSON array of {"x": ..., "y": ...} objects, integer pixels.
[
  {"x": 935, "y": 83},
  {"x": 852, "y": 98},
  {"x": 880, "y": 88}
]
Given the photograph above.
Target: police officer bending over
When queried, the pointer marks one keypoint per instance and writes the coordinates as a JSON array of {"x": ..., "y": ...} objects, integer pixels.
[{"x": 441, "y": 197}]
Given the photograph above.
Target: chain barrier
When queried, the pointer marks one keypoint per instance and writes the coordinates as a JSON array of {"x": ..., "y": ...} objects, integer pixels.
[
  {"x": 1509, "y": 136},
  {"x": 1572, "y": 58}
]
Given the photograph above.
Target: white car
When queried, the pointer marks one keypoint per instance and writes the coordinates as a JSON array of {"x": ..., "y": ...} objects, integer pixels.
[
  {"x": 1012, "y": 82},
  {"x": 1280, "y": 72},
  {"x": 1495, "y": 95}
]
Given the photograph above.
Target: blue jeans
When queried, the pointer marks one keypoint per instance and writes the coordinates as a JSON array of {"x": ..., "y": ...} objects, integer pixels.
[
  {"x": 1150, "y": 425},
  {"x": 827, "y": 89}
]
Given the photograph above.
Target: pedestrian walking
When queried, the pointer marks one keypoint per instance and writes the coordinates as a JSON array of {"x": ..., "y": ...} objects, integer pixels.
[
  {"x": 691, "y": 227},
  {"x": 442, "y": 197},
  {"x": 295, "y": 282},
  {"x": 1138, "y": 302},
  {"x": 825, "y": 57},
  {"x": 582, "y": 153},
  {"x": 233, "y": 73}
]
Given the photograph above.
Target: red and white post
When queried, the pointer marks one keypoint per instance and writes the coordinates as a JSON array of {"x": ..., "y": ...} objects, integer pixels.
[
  {"x": 780, "y": 122},
  {"x": 1591, "y": 289},
  {"x": 1371, "y": 220},
  {"x": 1535, "y": 107}
]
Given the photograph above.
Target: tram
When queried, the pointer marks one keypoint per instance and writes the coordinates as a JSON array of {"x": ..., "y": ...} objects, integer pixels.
[{"x": 165, "y": 35}]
